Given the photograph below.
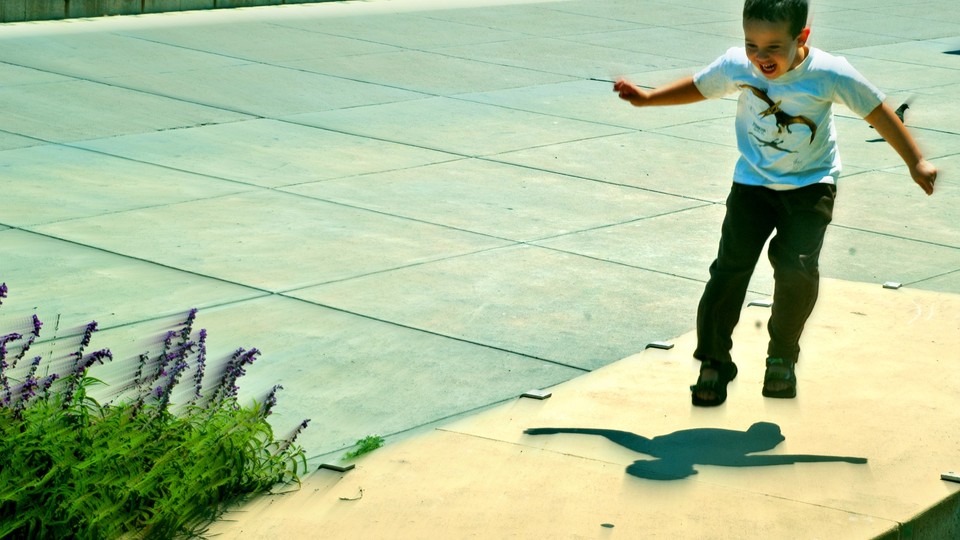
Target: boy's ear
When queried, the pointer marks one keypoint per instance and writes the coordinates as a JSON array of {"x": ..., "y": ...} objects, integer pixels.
[{"x": 804, "y": 36}]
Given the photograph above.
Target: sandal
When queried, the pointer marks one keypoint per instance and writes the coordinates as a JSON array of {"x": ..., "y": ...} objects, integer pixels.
[
  {"x": 726, "y": 372},
  {"x": 786, "y": 376}
]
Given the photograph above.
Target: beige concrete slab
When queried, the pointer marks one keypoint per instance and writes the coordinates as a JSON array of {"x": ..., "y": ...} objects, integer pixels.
[
  {"x": 496, "y": 199},
  {"x": 651, "y": 161},
  {"x": 267, "y": 153},
  {"x": 449, "y": 125},
  {"x": 43, "y": 111},
  {"x": 470, "y": 487},
  {"x": 352, "y": 376},
  {"x": 46, "y": 184},
  {"x": 246, "y": 239},
  {"x": 855, "y": 457},
  {"x": 61, "y": 280},
  {"x": 519, "y": 298}
]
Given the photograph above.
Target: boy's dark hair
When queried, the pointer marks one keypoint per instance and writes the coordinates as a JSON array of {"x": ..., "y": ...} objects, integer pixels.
[{"x": 792, "y": 12}]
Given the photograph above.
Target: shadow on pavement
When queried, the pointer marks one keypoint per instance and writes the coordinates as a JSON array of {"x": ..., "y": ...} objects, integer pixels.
[{"x": 679, "y": 451}]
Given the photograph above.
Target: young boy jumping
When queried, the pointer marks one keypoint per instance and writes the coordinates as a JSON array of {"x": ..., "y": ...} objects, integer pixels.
[{"x": 784, "y": 181}]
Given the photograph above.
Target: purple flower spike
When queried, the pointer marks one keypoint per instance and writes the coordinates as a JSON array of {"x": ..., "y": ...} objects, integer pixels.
[
  {"x": 36, "y": 326},
  {"x": 3, "y": 292},
  {"x": 88, "y": 333}
]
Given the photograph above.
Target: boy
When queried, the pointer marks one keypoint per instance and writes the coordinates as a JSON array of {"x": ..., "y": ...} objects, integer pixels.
[{"x": 784, "y": 181}]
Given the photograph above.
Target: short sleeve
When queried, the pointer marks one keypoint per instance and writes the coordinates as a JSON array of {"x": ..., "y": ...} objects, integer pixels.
[
  {"x": 855, "y": 91},
  {"x": 714, "y": 81}
]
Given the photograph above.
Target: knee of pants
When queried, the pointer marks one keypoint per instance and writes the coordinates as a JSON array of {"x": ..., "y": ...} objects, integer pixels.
[{"x": 788, "y": 263}]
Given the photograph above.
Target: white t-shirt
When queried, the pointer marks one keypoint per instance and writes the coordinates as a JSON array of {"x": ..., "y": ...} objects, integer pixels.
[{"x": 785, "y": 128}]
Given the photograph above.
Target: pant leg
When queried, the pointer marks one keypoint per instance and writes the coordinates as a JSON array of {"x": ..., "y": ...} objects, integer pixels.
[
  {"x": 795, "y": 255},
  {"x": 749, "y": 220}
]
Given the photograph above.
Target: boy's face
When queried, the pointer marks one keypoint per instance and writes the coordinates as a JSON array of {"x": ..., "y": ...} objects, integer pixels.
[{"x": 771, "y": 47}]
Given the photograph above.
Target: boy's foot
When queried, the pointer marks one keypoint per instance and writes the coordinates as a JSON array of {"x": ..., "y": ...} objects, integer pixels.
[
  {"x": 711, "y": 387},
  {"x": 780, "y": 380}
]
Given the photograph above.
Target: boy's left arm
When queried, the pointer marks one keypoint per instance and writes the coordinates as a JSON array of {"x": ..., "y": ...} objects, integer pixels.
[{"x": 885, "y": 121}]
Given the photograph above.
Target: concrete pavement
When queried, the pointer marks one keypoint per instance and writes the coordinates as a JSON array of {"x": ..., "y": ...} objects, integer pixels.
[{"x": 418, "y": 209}]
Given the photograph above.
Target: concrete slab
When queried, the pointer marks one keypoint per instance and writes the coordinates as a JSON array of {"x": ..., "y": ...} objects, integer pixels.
[
  {"x": 660, "y": 243},
  {"x": 246, "y": 240},
  {"x": 701, "y": 48},
  {"x": 595, "y": 101},
  {"x": 931, "y": 110},
  {"x": 871, "y": 257},
  {"x": 934, "y": 11},
  {"x": 9, "y": 141},
  {"x": 266, "y": 90},
  {"x": 862, "y": 149},
  {"x": 47, "y": 184},
  {"x": 496, "y": 199},
  {"x": 905, "y": 77},
  {"x": 871, "y": 472},
  {"x": 656, "y": 14},
  {"x": 287, "y": 43},
  {"x": 267, "y": 153},
  {"x": 561, "y": 56},
  {"x": 102, "y": 55},
  {"x": 405, "y": 30},
  {"x": 427, "y": 72},
  {"x": 556, "y": 306},
  {"x": 73, "y": 284},
  {"x": 61, "y": 111},
  {"x": 897, "y": 207},
  {"x": 894, "y": 24},
  {"x": 652, "y": 161},
  {"x": 534, "y": 19},
  {"x": 452, "y": 125},
  {"x": 932, "y": 52},
  {"x": 518, "y": 491},
  {"x": 344, "y": 372},
  {"x": 412, "y": 298}
]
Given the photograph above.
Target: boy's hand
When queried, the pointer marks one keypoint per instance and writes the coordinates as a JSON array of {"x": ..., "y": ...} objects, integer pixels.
[
  {"x": 630, "y": 92},
  {"x": 925, "y": 175}
]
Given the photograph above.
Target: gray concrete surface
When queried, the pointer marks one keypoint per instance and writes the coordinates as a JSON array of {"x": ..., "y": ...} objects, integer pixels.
[{"x": 415, "y": 208}]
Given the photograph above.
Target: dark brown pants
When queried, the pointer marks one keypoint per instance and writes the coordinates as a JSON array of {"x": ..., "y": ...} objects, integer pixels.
[{"x": 800, "y": 218}]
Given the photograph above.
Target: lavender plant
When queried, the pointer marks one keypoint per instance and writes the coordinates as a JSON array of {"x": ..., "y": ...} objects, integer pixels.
[{"x": 71, "y": 467}]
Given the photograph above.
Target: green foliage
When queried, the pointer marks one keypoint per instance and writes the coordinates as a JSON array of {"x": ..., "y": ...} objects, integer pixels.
[
  {"x": 365, "y": 445},
  {"x": 71, "y": 467}
]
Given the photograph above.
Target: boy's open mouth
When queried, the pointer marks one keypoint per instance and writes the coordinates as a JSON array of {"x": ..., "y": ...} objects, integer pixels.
[{"x": 768, "y": 69}]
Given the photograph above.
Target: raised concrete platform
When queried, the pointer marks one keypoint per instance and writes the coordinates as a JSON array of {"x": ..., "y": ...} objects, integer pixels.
[
  {"x": 419, "y": 209},
  {"x": 858, "y": 454}
]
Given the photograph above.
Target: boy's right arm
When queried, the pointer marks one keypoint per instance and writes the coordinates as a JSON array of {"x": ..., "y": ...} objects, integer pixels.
[{"x": 677, "y": 93}]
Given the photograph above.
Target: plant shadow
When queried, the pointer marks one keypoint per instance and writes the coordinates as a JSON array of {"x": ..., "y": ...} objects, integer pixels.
[{"x": 676, "y": 453}]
